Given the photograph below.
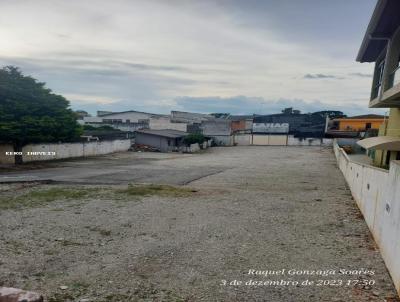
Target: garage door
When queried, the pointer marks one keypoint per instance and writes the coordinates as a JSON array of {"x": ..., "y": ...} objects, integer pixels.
[
  {"x": 277, "y": 140},
  {"x": 269, "y": 140},
  {"x": 261, "y": 140}
]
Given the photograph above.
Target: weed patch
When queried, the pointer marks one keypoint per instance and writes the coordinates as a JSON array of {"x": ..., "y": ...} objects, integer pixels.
[
  {"x": 41, "y": 197},
  {"x": 160, "y": 190}
]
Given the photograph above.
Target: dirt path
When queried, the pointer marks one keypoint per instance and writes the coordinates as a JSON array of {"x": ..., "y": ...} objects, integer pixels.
[{"x": 272, "y": 215}]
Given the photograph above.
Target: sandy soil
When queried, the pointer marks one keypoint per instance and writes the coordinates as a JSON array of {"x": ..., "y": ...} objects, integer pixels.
[{"x": 267, "y": 209}]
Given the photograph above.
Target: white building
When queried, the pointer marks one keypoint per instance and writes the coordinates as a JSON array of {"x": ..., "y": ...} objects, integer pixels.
[{"x": 133, "y": 120}]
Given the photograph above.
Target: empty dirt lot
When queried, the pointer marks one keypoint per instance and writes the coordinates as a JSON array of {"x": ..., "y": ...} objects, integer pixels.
[{"x": 285, "y": 211}]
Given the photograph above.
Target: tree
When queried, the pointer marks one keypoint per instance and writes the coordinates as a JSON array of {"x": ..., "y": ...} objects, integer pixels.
[
  {"x": 31, "y": 113},
  {"x": 194, "y": 138},
  {"x": 330, "y": 113},
  {"x": 100, "y": 128},
  {"x": 220, "y": 114}
]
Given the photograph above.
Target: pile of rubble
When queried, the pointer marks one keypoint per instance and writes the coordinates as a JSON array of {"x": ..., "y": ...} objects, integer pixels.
[
  {"x": 143, "y": 148},
  {"x": 348, "y": 149},
  {"x": 9, "y": 294}
]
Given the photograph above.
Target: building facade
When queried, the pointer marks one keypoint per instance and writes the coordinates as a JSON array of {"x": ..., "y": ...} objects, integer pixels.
[
  {"x": 298, "y": 124},
  {"x": 131, "y": 121},
  {"x": 359, "y": 123},
  {"x": 219, "y": 130},
  {"x": 164, "y": 140},
  {"x": 241, "y": 123},
  {"x": 381, "y": 45}
]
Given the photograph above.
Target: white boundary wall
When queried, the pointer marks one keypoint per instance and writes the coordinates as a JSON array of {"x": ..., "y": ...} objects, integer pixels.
[
  {"x": 377, "y": 193},
  {"x": 310, "y": 141},
  {"x": 65, "y": 150},
  {"x": 243, "y": 139}
]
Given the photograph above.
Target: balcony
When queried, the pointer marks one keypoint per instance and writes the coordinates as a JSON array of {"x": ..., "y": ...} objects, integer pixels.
[
  {"x": 376, "y": 91},
  {"x": 394, "y": 77},
  {"x": 390, "y": 96}
]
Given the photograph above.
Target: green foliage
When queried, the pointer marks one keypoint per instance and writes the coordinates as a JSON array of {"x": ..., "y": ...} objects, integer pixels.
[
  {"x": 220, "y": 115},
  {"x": 31, "y": 113},
  {"x": 194, "y": 138},
  {"x": 89, "y": 127},
  {"x": 103, "y": 128}
]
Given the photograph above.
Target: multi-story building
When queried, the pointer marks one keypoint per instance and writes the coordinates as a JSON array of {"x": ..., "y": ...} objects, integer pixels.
[
  {"x": 359, "y": 123},
  {"x": 292, "y": 122},
  {"x": 241, "y": 123},
  {"x": 381, "y": 44},
  {"x": 134, "y": 120}
]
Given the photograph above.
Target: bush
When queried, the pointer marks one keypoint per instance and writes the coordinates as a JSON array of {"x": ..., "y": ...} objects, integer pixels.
[
  {"x": 104, "y": 128},
  {"x": 194, "y": 138}
]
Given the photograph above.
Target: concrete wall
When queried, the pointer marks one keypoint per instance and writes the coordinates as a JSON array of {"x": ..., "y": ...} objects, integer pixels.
[
  {"x": 159, "y": 123},
  {"x": 194, "y": 147},
  {"x": 269, "y": 140},
  {"x": 216, "y": 128},
  {"x": 65, "y": 150},
  {"x": 377, "y": 192},
  {"x": 222, "y": 140},
  {"x": 189, "y": 117},
  {"x": 309, "y": 141},
  {"x": 242, "y": 139},
  {"x": 242, "y": 125}
]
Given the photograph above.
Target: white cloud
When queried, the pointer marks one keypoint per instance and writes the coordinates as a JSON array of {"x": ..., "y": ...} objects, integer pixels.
[
  {"x": 89, "y": 99},
  {"x": 148, "y": 51}
]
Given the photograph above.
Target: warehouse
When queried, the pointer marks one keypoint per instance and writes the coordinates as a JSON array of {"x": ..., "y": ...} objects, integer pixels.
[{"x": 165, "y": 140}]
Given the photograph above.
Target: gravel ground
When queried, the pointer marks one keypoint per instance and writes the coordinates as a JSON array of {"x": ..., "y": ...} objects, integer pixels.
[{"x": 253, "y": 217}]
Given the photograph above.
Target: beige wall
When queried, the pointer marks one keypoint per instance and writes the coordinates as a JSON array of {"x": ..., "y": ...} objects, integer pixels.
[
  {"x": 390, "y": 128},
  {"x": 165, "y": 123},
  {"x": 269, "y": 140},
  {"x": 278, "y": 140},
  {"x": 393, "y": 126},
  {"x": 260, "y": 140}
]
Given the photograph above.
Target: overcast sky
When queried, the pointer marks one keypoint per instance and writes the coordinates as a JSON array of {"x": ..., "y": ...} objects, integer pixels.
[{"x": 239, "y": 56}]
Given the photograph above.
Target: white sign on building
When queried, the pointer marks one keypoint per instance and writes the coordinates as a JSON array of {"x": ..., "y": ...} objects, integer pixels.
[{"x": 271, "y": 127}]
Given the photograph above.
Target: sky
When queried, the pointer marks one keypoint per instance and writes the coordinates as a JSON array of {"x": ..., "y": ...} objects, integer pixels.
[{"x": 242, "y": 57}]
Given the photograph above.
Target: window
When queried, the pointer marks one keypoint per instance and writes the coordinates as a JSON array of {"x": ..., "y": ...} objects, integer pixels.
[
  {"x": 377, "y": 86},
  {"x": 387, "y": 158},
  {"x": 394, "y": 77},
  {"x": 367, "y": 126},
  {"x": 112, "y": 121},
  {"x": 371, "y": 153}
]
